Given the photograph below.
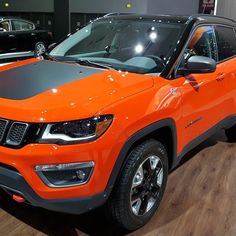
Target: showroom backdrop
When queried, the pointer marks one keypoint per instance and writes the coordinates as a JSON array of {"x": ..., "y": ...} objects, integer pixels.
[
  {"x": 63, "y": 16},
  {"x": 66, "y": 15}
]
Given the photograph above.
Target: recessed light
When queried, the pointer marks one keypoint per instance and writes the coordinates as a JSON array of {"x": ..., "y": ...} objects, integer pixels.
[{"x": 128, "y": 5}]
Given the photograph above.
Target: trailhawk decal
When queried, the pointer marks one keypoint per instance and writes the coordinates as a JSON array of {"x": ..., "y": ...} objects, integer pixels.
[{"x": 29, "y": 80}]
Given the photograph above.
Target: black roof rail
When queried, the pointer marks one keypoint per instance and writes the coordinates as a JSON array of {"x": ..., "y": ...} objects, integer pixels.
[
  {"x": 214, "y": 16},
  {"x": 112, "y": 14},
  {"x": 10, "y": 17},
  {"x": 117, "y": 14}
]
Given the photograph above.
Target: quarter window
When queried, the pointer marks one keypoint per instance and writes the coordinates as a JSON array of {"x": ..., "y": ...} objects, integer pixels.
[{"x": 226, "y": 41}]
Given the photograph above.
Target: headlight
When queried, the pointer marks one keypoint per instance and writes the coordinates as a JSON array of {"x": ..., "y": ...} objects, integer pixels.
[{"x": 76, "y": 131}]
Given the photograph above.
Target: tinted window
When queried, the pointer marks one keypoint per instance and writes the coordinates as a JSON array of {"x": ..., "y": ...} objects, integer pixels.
[
  {"x": 22, "y": 25},
  {"x": 5, "y": 25},
  {"x": 141, "y": 46},
  {"x": 202, "y": 43},
  {"x": 226, "y": 41}
]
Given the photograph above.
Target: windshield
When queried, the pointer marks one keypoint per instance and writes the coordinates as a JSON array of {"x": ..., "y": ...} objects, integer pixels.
[{"x": 140, "y": 46}]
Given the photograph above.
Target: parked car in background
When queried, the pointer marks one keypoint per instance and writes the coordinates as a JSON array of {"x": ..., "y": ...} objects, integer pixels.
[{"x": 19, "y": 35}]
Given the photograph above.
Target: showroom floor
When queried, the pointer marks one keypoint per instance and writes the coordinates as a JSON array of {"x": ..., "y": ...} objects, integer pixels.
[{"x": 200, "y": 200}]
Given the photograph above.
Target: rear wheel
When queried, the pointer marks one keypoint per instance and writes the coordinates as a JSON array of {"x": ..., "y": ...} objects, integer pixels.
[
  {"x": 140, "y": 188},
  {"x": 40, "y": 48}
]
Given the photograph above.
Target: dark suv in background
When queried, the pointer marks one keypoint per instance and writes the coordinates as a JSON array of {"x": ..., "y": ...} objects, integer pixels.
[{"x": 19, "y": 35}]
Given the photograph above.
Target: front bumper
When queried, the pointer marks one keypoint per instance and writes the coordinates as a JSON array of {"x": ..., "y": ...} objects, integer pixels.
[{"x": 13, "y": 182}]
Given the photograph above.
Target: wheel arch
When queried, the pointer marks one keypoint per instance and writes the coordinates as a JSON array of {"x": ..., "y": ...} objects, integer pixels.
[{"x": 163, "y": 131}]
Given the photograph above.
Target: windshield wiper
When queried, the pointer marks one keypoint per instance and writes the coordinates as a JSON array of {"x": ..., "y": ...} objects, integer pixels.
[
  {"x": 92, "y": 63},
  {"x": 78, "y": 61},
  {"x": 47, "y": 56}
]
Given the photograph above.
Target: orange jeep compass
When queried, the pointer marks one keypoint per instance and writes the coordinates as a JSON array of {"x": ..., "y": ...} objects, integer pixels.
[{"x": 106, "y": 115}]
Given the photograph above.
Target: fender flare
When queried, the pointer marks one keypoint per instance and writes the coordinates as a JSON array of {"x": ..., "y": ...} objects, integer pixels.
[{"x": 133, "y": 139}]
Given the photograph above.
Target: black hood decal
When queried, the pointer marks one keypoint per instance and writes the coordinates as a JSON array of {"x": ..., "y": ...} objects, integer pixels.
[{"x": 29, "y": 80}]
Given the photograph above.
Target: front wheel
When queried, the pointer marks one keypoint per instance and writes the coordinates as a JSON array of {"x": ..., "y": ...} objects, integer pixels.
[{"x": 140, "y": 187}]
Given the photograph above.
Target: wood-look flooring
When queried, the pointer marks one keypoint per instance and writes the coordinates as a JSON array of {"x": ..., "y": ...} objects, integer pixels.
[{"x": 200, "y": 200}]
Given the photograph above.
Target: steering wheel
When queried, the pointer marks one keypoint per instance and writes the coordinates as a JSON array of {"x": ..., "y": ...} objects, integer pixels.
[{"x": 159, "y": 62}]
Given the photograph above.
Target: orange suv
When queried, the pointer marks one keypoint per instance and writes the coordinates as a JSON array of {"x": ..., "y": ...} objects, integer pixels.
[{"x": 112, "y": 109}]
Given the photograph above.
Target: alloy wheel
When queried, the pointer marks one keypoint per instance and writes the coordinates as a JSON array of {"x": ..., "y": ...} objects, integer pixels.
[{"x": 146, "y": 185}]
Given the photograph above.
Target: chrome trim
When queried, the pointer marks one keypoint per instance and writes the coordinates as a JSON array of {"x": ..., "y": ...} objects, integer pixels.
[
  {"x": 80, "y": 165},
  {"x": 48, "y": 136},
  {"x": 16, "y": 54}
]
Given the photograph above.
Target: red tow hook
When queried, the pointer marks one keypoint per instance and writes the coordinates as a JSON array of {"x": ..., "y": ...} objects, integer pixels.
[{"x": 18, "y": 198}]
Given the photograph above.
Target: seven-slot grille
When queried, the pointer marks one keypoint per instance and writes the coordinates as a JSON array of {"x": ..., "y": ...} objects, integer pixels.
[
  {"x": 3, "y": 127},
  {"x": 12, "y": 133}
]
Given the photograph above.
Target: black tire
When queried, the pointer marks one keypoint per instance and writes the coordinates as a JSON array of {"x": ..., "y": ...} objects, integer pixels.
[
  {"x": 40, "y": 48},
  {"x": 231, "y": 134},
  {"x": 119, "y": 206}
]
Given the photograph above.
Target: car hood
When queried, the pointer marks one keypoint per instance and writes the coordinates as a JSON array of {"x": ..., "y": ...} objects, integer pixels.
[{"x": 45, "y": 91}]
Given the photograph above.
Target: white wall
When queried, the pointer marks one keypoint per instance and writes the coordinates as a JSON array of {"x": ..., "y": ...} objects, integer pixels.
[{"x": 27, "y": 6}]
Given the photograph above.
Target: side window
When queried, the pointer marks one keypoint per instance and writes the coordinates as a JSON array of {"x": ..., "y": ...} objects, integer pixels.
[
  {"x": 5, "y": 25},
  {"x": 202, "y": 43},
  {"x": 226, "y": 41},
  {"x": 21, "y": 25}
]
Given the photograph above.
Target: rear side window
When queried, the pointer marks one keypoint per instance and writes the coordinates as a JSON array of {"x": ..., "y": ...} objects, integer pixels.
[
  {"x": 226, "y": 41},
  {"x": 5, "y": 25}
]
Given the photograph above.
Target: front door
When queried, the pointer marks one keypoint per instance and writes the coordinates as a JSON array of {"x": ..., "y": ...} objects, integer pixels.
[{"x": 201, "y": 93}]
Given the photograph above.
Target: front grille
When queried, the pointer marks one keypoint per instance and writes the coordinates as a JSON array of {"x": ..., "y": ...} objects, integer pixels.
[
  {"x": 16, "y": 133},
  {"x": 13, "y": 133},
  {"x": 3, "y": 127}
]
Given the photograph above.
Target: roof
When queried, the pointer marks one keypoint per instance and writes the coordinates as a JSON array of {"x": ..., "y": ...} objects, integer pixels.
[
  {"x": 14, "y": 18},
  {"x": 163, "y": 18},
  {"x": 212, "y": 19},
  {"x": 9, "y": 17},
  {"x": 198, "y": 18}
]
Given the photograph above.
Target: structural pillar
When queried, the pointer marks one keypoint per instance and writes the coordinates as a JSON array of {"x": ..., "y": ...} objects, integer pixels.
[{"x": 61, "y": 18}]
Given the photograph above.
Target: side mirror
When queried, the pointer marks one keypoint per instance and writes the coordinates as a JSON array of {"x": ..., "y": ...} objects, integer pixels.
[
  {"x": 2, "y": 30},
  {"x": 198, "y": 65}
]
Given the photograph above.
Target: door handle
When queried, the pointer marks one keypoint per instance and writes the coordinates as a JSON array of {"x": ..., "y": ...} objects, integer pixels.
[
  {"x": 220, "y": 77},
  {"x": 33, "y": 34},
  {"x": 12, "y": 36}
]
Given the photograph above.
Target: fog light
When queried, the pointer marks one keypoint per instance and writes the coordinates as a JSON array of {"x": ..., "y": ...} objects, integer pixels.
[{"x": 65, "y": 175}]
